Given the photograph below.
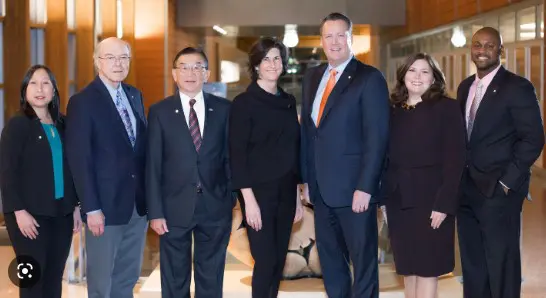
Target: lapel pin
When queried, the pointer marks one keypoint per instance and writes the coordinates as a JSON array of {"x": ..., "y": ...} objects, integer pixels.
[
  {"x": 210, "y": 109},
  {"x": 349, "y": 77},
  {"x": 176, "y": 111},
  {"x": 494, "y": 90},
  {"x": 40, "y": 137}
]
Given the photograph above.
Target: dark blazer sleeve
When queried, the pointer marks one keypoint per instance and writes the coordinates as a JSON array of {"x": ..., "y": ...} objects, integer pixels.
[
  {"x": 79, "y": 153},
  {"x": 525, "y": 112},
  {"x": 239, "y": 138},
  {"x": 154, "y": 163},
  {"x": 227, "y": 154},
  {"x": 453, "y": 146},
  {"x": 375, "y": 129},
  {"x": 12, "y": 143}
]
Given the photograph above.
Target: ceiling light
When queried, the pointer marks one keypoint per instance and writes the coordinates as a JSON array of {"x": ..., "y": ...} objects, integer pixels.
[
  {"x": 290, "y": 35},
  {"x": 219, "y": 29},
  {"x": 458, "y": 39}
]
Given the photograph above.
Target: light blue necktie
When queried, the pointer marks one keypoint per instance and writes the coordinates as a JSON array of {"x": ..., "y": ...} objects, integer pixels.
[{"x": 125, "y": 118}]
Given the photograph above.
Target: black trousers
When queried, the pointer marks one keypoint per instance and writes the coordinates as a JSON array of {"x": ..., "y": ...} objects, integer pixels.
[
  {"x": 489, "y": 240},
  {"x": 210, "y": 240},
  {"x": 344, "y": 236},
  {"x": 50, "y": 249},
  {"x": 269, "y": 246}
]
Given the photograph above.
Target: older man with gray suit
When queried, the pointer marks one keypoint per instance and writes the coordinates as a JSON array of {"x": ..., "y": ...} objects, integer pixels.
[{"x": 106, "y": 144}]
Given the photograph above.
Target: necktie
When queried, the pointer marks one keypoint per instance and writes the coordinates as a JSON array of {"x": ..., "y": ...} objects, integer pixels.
[
  {"x": 122, "y": 110},
  {"x": 329, "y": 86},
  {"x": 474, "y": 108},
  {"x": 194, "y": 127}
]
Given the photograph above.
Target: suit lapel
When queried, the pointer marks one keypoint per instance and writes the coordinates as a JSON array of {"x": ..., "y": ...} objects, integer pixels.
[
  {"x": 113, "y": 111},
  {"x": 135, "y": 106},
  {"x": 344, "y": 81},
  {"x": 487, "y": 100},
  {"x": 178, "y": 120},
  {"x": 313, "y": 88},
  {"x": 210, "y": 120}
]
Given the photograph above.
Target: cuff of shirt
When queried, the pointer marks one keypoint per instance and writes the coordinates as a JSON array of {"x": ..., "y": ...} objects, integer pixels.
[{"x": 94, "y": 211}]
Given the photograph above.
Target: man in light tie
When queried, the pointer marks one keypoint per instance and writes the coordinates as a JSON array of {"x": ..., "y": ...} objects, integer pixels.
[
  {"x": 105, "y": 139},
  {"x": 505, "y": 137}
]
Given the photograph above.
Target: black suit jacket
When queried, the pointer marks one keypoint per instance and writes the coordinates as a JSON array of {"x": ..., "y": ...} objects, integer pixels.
[
  {"x": 508, "y": 134},
  {"x": 26, "y": 170},
  {"x": 173, "y": 166},
  {"x": 108, "y": 172},
  {"x": 346, "y": 152}
]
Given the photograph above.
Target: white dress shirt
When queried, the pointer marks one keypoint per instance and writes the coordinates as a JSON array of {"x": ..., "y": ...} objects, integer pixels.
[
  {"x": 318, "y": 97},
  {"x": 199, "y": 108}
]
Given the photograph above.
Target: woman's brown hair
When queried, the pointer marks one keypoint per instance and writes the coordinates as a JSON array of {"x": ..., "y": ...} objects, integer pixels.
[{"x": 436, "y": 91}]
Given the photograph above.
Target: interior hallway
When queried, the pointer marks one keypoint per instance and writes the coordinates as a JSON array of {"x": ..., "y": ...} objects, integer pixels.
[{"x": 534, "y": 259}]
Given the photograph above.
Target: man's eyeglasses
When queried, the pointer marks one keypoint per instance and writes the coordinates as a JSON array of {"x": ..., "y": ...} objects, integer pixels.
[
  {"x": 191, "y": 67},
  {"x": 112, "y": 59}
]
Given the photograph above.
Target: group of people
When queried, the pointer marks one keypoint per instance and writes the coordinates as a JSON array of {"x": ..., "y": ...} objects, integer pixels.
[{"x": 427, "y": 160}]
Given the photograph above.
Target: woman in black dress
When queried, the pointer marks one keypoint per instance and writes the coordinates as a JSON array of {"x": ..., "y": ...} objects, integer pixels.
[
  {"x": 425, "y": 161},
  {"x": 38, "y": 195},
  {"x": 264, "y": 138}
]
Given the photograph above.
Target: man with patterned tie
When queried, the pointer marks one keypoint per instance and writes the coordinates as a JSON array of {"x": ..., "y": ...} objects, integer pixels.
[
  {"x": 105, "y": 145},
  {"x": 505, "y": 137},
  {"x": 188, "y": 190},
  {"x": 345, "y": 117}
]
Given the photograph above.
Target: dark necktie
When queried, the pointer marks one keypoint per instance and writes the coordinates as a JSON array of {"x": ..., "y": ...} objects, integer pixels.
[{"x": 194, "y": 127}]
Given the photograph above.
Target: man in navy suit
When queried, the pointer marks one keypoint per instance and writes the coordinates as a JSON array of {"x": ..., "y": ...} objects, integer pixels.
[
  {"x": 188, "y": 188},
  {"x": 345, "y": 116},
  {"x": 106, "y": 144}
]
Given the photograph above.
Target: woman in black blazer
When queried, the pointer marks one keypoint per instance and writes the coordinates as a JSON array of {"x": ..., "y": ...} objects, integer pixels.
[
  {"x": 39, "y": 200},
  {"x": 264, "y": 138},
  {"x": 426, "y": 159}
]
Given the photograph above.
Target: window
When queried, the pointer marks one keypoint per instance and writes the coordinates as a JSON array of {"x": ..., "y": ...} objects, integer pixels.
[
  {"x": 527, "y": 24},
  {"x": 507, "y": 26},
  {"x": 72, "y": 84},
  {"x": 540, "y": 19},
  {"x": 38, "y": 12},
  {"x": 71, "y": 14},
  {"x": 520, "y": 61},
  {"x": 37, "y": 46}
]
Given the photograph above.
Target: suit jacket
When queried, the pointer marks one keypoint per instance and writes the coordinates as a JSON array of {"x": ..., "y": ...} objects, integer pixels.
[
  {"x": 174, "y": 168},
  {"x": 108, "y": 172},
  {"x": 507, "y": 136},
  {"x": 426, "y": 156},
  {"x": 346, "y": 152},
  {"x": 26, "y": 170}
]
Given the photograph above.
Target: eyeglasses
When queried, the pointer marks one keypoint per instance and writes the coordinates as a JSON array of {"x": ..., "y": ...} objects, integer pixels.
[
  {"x": 191, "y": 67},
  {"x": 112, "y": 59}
]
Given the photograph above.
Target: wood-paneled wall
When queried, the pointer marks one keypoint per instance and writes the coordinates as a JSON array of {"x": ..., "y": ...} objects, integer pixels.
[
  {"x": 16, "y": 52},
  {"x": 85, "y": 42},
  {"x": 56, "y": 46}
]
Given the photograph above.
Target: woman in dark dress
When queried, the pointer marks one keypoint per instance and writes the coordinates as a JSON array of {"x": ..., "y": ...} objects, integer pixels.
[
  {"x": 38, "y": 196},
  {"x": 425, "y": 161},
  {"x": 264, "y": 136}
]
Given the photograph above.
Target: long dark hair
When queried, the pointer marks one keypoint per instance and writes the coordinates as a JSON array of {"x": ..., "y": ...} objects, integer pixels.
[
  {"x": 53, "y": 106},
  {"x": 436, "y": 91}
]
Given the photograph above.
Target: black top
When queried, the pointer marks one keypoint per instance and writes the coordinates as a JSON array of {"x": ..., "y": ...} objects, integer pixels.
[
  {"x": 264, "y": 137},
  {"x": 26, "y": 170}
]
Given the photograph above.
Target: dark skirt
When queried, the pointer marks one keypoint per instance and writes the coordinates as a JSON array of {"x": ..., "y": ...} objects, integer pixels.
[{"x": 418, "y": 249}]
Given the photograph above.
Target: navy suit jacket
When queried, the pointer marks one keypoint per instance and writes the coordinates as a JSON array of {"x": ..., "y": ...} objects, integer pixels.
[
  {"x": 346, "y": 152},
  {"x": 108, "y": 172},
  {"x": 174, "y": 168}
]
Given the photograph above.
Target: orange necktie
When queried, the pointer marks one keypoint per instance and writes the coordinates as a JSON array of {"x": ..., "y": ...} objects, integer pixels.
[{"x": 329, "y": 86}]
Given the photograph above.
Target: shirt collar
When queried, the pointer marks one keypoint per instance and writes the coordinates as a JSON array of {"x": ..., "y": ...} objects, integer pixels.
[
  {"x": 186, "y": 99},
  {"x": 486, "y": 80},
  {"x": 111, "y": 89},
  {"x": 340, "y": 68}
]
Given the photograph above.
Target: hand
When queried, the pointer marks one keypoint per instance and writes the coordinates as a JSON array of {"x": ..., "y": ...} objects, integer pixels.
[
  {"x": 77, "y": 220},
  {"x": 159, "y": 225},
  {"x": 305, "y": 194},
  {"x": 299, "y": 207},
  {"x": 27, "y": 224},
  {"x": 361, "y": 201},
  {"x": 252, "y": 210},
  {"x": 437, "y": 219},
  {"x": 95, "y": 223},
  {"x": 384, "y": 212}
]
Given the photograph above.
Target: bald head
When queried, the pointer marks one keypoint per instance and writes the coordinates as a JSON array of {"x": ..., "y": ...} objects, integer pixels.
[
  {"x": 112, "y": 59},
  {"x": 491, "y": 32}
]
